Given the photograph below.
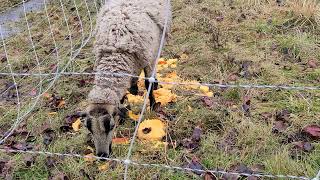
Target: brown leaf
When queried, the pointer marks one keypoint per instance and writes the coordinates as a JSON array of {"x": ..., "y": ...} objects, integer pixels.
[
  {"x": 312, "y": 63},
  {"x": 72, "y": 118},
  {"x": 238, "y": 168},
  {"x": 210, "y": 176},
  {"x": 246, "y": 106},
  {"x": 33, "y": 92},
  {"x": 244, "y": 69},
  {"x": 21, "y": 146},
  {"x": 209, "y": 102},
  {"x": 56, "y": 102},
  {"x": 196, "y": 136},
  {"x": 258, "y": 168},
  {"x": 48, "y": 136},
  {"x": 266, "y": 116},
  {"x": 312, "y": 130},
  {"x": 3, "y": 58},
  {"x": 303, "y": 146},
  {"x": 193, "y": 143},
  {"x": 6, "y": 168},
  {"x": 279, "y": 126},
  {"x": 195, "y": 165},
  {"x": 233, "y": 77},
  {"x": 50, "y": 162},
  {"x": 283, "y": 115}
]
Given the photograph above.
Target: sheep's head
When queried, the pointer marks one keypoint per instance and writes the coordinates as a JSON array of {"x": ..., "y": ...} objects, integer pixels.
[{"x": 100, "y": 118}]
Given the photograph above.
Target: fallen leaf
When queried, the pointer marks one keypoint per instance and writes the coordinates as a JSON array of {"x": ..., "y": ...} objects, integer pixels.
[
  {"x": 193, "y": 142},
  {"x": 33, "y": 92},
  {"x": 283, "y": 115},
  {"x": 209, "y": 176},
  {"x": 70, "y": 119},
  {"x": 266, "y": 116},
  {"x": 76, "y": 125},
  {"x": 303, "y": 146},
  {"x": 152, "y": 130},
  {"x": 244, "y": 69},
  {"x": 48, "y": 136},
  {"x": 312, "y": 130},
  {"x": 246, "y": 106},
  {"x": 61, "y": 104},
  {"x": 279, "y": 126},
  {"x": 47, "y": 95},
  {"x": 3, "y": 58},
  {"x": 133, "y": 116},
  {"x": 195, "y": 165},
  {"x": 238, "y": 168},
  {"x": 50, "y": 162},
  {"x": 55, "y": 102},
  {"x": 196, "y": 136},
  {"x": 233, "y": 77},
  {"x": 21, "y": 146},
  {"x": 120, "y": 140},
  {"x": 190, "y": 108},
  {"x": 209, "y": 102},
  {"x": 6, "y": 168},
  {"x": 258, "y": 168},
  {"x": 312, "y": 63}
]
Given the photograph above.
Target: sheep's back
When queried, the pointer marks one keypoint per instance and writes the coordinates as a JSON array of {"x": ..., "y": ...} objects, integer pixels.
[{"x": 130, "y": 27}]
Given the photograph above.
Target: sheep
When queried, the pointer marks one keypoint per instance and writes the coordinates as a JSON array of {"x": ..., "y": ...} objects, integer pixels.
[{"x": 128, "y": 35}]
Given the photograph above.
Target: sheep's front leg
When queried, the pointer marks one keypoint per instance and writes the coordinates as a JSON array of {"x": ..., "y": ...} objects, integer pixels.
[
  {"x": 148, "y": 73},
  {"x": 134, "y": 86}
]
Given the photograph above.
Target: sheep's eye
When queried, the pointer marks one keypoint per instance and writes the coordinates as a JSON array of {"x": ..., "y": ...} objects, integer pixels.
[{"x": 98, "y": 112}]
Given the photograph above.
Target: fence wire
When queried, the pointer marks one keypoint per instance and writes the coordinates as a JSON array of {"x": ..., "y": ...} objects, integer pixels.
[{"x": 62, "y": 71}]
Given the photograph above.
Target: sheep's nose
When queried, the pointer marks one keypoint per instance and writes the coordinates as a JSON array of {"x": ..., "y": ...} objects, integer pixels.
[{"x": 102, "y": 154}]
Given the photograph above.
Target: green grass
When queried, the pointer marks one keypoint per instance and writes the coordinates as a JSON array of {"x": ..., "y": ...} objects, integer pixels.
[
  {"x": 277, "y": 48},
  {"x": 5, "y": 4}
]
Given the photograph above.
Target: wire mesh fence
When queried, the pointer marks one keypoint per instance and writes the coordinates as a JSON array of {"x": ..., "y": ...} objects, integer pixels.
[{"x": 68, "y": 28}]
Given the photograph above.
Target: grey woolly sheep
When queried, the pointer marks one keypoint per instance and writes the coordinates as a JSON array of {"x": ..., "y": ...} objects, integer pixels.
[{"x": 128, "y": 35}]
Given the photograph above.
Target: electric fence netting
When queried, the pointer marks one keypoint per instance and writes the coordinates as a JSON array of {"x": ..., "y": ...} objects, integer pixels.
[{"x": 50, "y": 50}]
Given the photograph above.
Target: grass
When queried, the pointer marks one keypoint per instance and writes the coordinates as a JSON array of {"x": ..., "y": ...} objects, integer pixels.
[
  {"x": 5, "y": 4},
  {"x": 276, "y": 42}
]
